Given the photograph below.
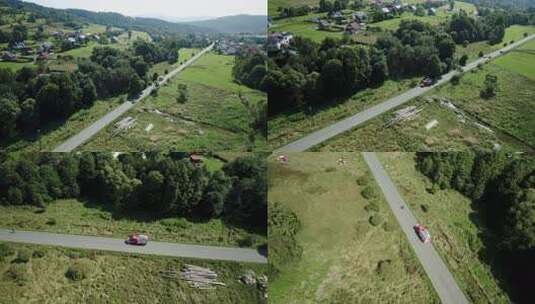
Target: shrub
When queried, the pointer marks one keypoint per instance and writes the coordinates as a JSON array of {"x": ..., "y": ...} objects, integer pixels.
[
  {"x": 73, "y": 255},
  {"x": 330, "y": 169},
  {"x": 18, "y": 273},
  {"x": 78, "y": 271},
  {"x": 385, "y": 269},
  {"x": 388, "y": 226},
  {"x": 525, "y": 34},
  {"x": 375, "y": 220},
  {"x": 175, "y": 223},
  {"x": 424, "y": 207},
  {"x": 23, "y": 256},
  {"x": 369, "y": 192},
  {"x": 372, "y": 207},
  {"x": 455, "y": 79},
  {"x": 481, "y": 54},
  {"x": 363, "y": 180},
  {"x": 5, "y": 251},
  {"x": 51, "y": 222},
  {"x": 247, "y": 241},
  {"x": 38, "y": 253}
]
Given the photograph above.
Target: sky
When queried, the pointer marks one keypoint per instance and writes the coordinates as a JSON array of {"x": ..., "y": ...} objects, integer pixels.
[{"x": 168, "y": 8}]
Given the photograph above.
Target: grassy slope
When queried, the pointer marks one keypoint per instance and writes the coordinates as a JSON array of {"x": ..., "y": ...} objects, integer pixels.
[
  {"x": 75, "y": 217},
  {"x": 273, "y": 5},
  {"x": 289, "y": 126},
  {"x": 213, "y": 118},
  {"x": 119, "y": 278},
  {"x": 341, "y": 249},
  {"x": 453, "y": 222},
  {"x": 521, "y": 61},
  {"x": 510, "y": 112}
]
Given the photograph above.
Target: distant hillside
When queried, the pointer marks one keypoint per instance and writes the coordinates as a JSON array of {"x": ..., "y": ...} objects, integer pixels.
[
  {"x": 273, "y": 5},
  {"x": 150, "y": 25},
  {"x": 504, "y": 3},
  {"x": 235, "y": 24}
]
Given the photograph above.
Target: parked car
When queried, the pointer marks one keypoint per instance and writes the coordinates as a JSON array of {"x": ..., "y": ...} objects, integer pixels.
[
  {"x": 423, "y": 233},
  {"x": 137, "y": 239}
]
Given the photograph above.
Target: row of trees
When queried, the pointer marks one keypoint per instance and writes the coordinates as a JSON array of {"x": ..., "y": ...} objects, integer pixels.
[
  {"x": 163, "y": 184},
  {"x": 503, "y": 189},
  {"x": 330, "y": 70}
]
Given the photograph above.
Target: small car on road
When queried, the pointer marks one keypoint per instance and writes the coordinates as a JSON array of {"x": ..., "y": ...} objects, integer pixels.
[
  {"x": 427, "y": 81},
  {"x": 137, "y": 239},
  {"x": 423, "y": 233}
]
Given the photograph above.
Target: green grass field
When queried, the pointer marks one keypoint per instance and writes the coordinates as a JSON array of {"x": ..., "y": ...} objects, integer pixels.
[
  {"x": 512, "y": 33},
  {"x": 521, "y": 60},
  {"x": 508, "y": 114},
  {"x": 115, "y": 278},
  {"x": 289, "y": 126},
  {"x": 273, "y": 5},
  {"x": 454, "y": 225},
  {"x": 213, "y": 117},
  {"x": 86, "y": 218},
  {"x": 341, "y": 248},
  {"x": 411, "y": 135}
]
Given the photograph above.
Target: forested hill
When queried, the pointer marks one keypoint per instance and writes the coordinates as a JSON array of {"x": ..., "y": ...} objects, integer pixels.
[
  {"x": 149, "y": 25},
  {"x": 255, "y": 24}
]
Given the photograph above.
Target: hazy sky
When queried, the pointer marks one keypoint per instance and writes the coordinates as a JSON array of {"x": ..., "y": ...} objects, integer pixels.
[{"x": 171, "y": 8}]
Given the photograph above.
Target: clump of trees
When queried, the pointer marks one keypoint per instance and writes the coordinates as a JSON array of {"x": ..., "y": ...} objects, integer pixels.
[
  {"x": 250, "y": 70},
  {"x": 503, "y": 191},
  {"x": 163, "y": 184},
  {"x": 324, "y": 72},
  {"x": 30, "y": 98},
  {"x": 489, "y": 86}
]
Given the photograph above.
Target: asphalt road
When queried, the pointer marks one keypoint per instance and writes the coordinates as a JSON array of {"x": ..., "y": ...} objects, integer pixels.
[
  {"x": 349, "y": 123},
  {"x": 80, "y": 138},
  {"x": 157, "y": 248},
  {"x": 441, "y": 278}
]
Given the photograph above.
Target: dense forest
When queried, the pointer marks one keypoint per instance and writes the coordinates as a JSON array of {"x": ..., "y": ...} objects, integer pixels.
[
  {"x": 33, "y": 97},
  {"x": 159, "y": 183},
  {"x": 503, "y": 191}
]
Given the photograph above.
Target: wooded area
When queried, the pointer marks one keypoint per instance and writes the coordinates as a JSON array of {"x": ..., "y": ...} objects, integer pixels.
[
  {"x": 503, "y": 190},
  {"x": 163, "y": 184}
]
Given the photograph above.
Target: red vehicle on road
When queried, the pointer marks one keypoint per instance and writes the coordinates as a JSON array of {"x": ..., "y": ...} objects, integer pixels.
[
  {"x": 137, "y": 239},
  {"x": 427, "y": 81},
  {"x": 423, "y": 233}
]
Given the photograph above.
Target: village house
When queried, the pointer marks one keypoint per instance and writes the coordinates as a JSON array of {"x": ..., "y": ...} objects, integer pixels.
[
  {"x": 360, "y": 16},
  {"x": 324, "y": 25},
  {"x": 385, "y": 10},
  {"x": 8, "y": 56},
  {"x": 352, "y": 28},
  {"x": 279, "y": 40},
  {"x": 336, "y": 16}
]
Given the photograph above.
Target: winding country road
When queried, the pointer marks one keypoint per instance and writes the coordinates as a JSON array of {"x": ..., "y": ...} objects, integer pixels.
[
  {"x": 351, "y": 122},
  {"x": 441, "y": 278},
  {"x": 86, "y": 134},
  {"x": 118, "y": 245}
]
